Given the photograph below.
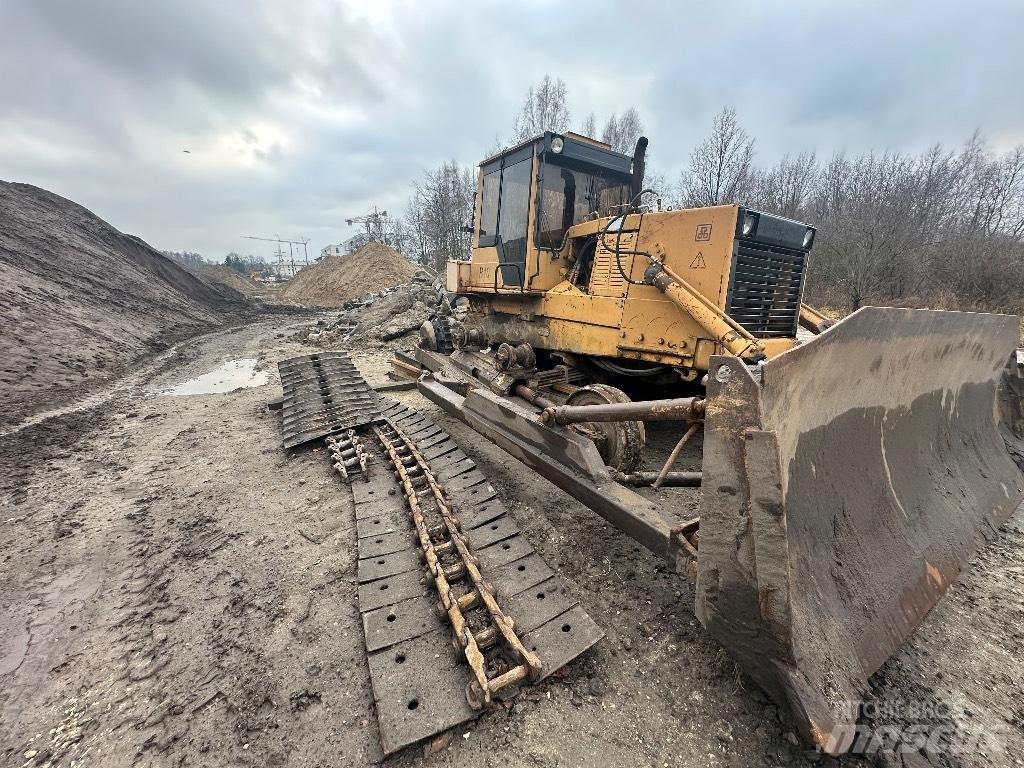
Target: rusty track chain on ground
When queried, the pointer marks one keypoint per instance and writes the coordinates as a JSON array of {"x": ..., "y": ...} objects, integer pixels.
[
  {"x": 419, "y": 680},
  {"x": 442, "y": 541},
  {"x": 348, "y": 455}
]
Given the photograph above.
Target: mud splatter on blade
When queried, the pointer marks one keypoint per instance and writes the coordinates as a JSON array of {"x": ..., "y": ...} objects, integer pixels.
[{"x": 842, "y": 495}]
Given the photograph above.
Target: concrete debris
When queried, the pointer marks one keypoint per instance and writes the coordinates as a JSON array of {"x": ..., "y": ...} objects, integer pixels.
[{"x": 390, "y": 314}]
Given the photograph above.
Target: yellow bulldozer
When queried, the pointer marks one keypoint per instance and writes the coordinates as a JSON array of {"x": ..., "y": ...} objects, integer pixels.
[{"x": 848, "y": 471}]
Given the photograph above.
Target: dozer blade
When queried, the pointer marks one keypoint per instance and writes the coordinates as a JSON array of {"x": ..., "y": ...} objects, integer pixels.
[{"x": 843, "y": 493}]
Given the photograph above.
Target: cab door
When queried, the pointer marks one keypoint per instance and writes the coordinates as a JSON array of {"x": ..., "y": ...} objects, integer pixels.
[
  {"x": 504, "y": 221},
  {"x": 513, "y": 220}
]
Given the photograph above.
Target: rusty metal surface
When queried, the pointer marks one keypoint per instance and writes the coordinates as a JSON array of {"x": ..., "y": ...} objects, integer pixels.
[
  {"x": 844, "y": 493},
  {"x": 418, "y": 682},
  {"x": 563, "y": 638},
  {"x": 380, "y": 566},
  {"x": 489, "y": 641},
  {"x": 348, "y": 455},
  {"x": 511, "y": 576},
  {"x": 564, "y": 457},
  {"x": 505, "y": 552},
  {"x": 678, "y": 409},
  {"x": 413, "y": 690},
  {"x": 391, "y": 624},
  {"x": 324, "y": 394},
  {"x": 391, "y": 590},
  {"x": 678, "y": 479}
]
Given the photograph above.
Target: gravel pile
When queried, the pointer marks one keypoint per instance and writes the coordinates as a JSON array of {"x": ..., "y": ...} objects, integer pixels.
[{"x": 338, "y": 279}]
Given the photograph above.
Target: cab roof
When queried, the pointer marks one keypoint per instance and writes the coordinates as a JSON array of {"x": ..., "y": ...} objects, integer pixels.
[{"x": 577, "y": 149}]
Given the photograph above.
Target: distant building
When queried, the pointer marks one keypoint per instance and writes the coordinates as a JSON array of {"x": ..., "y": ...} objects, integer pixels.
[
  {"x": 354, "y": 243},
  {"x": 332, "y": 250}
]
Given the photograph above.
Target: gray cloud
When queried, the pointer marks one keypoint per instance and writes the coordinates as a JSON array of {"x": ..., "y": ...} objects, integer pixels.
[{"x": 297, "y": 115}]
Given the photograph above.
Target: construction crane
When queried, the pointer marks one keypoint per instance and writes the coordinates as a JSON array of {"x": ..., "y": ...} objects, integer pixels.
[
  {"x": 376, "y": 223},
  {"x": 290, "y": 263}
]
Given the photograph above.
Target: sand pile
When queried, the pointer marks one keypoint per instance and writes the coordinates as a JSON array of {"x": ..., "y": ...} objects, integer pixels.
[
  {"x": 219, "y": 274},
  {"x": 81, "y": 301},
  {"x": 337, "y": 279}
]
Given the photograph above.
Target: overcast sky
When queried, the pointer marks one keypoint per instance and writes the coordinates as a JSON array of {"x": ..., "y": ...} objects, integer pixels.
[{"x": 299, "y": 114}]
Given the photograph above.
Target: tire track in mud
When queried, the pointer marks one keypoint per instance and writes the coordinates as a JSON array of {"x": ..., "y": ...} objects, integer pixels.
[
  {"x": 114, "y": 692},
  {"x": 107, "y": 391},
  {"x": 132, "y": 692},
  {"x": 159, "y": 708},
  {"x": 215, "y": 631}
]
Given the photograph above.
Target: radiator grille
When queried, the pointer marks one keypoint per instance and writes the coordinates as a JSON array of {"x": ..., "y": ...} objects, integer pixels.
[{"x": 765, "y": 288}]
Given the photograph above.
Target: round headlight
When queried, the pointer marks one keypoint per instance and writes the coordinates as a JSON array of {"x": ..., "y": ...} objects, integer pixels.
[
  {"x": 749, "y": 224},
  {"x": 557, "y": 144},
  {"x": 808, "y": 238}
]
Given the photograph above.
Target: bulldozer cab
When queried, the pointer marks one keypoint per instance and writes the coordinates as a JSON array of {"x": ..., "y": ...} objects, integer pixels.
[{"x": 528, "y": 198}]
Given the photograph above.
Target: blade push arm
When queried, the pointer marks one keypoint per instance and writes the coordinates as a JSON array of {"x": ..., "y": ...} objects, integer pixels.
[
  {"x": 726, "y": 331},
  {"x": 813, "y": 320}
]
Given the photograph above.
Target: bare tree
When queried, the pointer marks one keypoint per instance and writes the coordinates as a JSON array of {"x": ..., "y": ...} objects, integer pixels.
[
  {"x": 786, "y": 188},
  {"x": 622, "y": 132},
  {"x": 720, "y": 167},
  {"x": 442, "y": 203},
  {"x": 999, "y": 204},
  {"x": 872, "y": 231},
  {"x": 589, "y": 127},
  {"x": 545, "y": 109}
]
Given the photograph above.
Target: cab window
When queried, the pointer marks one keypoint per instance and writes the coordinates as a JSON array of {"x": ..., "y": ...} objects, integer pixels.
[
  {"x": 514, "y": 205},
  {"x": 568, "y": 196},
  {"x": 489, "y": 206}
]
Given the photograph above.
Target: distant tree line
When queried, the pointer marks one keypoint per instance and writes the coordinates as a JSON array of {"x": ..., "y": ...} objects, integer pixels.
[
  {"x": 185, "y": 258},
  {"x": 244, "y": 263},
  {"x": 247, "y": 263}
]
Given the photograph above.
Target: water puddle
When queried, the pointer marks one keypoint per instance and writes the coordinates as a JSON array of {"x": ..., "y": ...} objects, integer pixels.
[{"x": 231, "y": 375}]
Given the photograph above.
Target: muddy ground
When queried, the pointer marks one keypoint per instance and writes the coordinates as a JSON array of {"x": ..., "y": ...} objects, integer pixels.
[{"x": 178, "y": 590}]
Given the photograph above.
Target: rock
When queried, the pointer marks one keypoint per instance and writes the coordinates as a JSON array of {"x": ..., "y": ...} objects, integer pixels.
[
  {"x": 400, "y": 302},
  {"x": 915, "y": 760},
  {"x": 437, "y": 743},
  {"x": 395, "y": 331}
]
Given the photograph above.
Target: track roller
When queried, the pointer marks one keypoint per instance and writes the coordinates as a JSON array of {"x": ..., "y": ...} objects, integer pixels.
[{"x": 620, "y": 443}]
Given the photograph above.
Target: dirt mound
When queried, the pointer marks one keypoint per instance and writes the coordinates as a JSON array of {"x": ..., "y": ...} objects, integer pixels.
[
  {"x": 220, "y": 275},
  {"x": 337, "y": 279},
  {"x": 80, "y": 301}
]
